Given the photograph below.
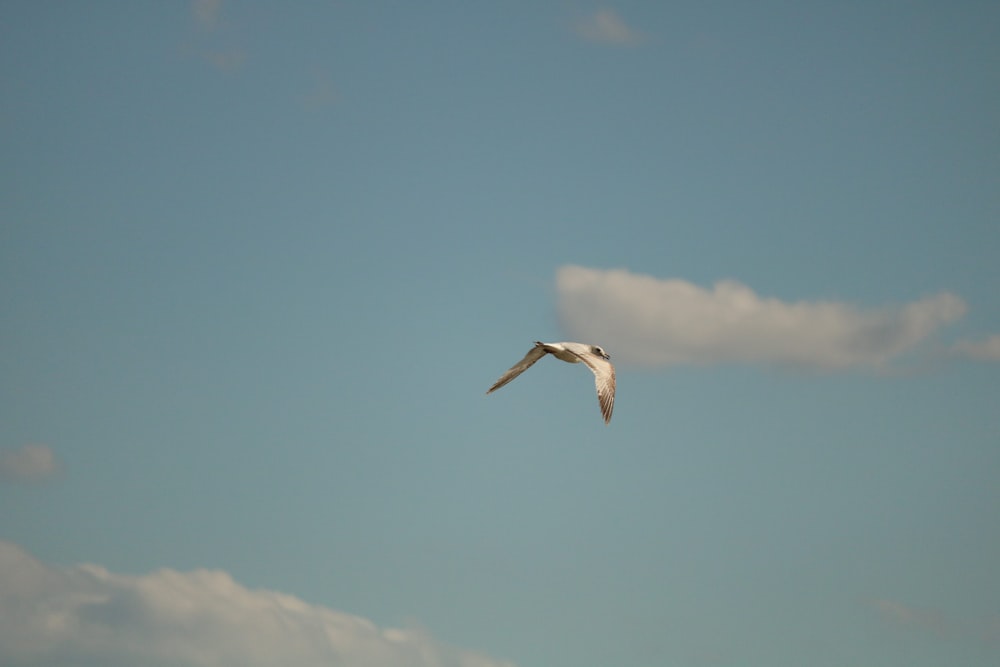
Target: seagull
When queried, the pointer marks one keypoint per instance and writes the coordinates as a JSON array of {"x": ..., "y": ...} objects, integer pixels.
[{"x": 593, "y": 355}]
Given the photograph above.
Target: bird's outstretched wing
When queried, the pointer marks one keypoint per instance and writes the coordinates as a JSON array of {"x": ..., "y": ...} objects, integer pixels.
[
  {"x": 534, "y": 355},
  {"x": 604, "y": 379}
]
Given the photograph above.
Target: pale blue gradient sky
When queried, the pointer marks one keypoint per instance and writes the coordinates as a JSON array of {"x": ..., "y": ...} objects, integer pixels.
[{"x": 259, "y": 263}]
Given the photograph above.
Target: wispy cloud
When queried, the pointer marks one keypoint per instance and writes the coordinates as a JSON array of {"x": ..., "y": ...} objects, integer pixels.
[
  {"x": 227, "y": 60},
  {"x": 213, "y": 44},
  {"x": 898, "y": 613},
  {"x": 605, "y": 26},
  {"x": 86, "y": 615},
  {"x": 652, "y": 321},
  {"x": 984, "y": 628},
  {"x": 987, "y": 349},
  {"x": 29, "y": 463},
  {"x": 206, "y": 13},
  {"x": 322, "y": 95}
]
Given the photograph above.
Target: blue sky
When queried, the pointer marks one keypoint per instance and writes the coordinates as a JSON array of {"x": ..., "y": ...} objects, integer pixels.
[{"x": 259, "y": 264}]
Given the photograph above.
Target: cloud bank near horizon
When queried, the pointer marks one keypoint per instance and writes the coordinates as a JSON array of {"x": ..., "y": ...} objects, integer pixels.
[
  {"x": 86, "y": 615},
  {"x": 659, "y": 322}
]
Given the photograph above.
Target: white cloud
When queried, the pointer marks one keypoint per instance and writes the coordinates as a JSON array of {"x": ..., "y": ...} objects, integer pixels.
[
  {"x": 987, "y": 349},
  {"x": 86, "y": 615},
  {"x": 645, "y": 320},
  {"x": 605, "y": 26},
  {"x": 30, "y": 463}
]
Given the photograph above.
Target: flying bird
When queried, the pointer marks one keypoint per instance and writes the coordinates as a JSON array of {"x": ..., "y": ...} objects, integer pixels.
[{"x": 593, "y": 355}]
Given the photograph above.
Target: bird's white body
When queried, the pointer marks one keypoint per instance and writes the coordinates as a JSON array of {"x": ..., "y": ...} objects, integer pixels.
[
  {"x": 560, "y": 351},
  {"x": 593, "y": 356}
]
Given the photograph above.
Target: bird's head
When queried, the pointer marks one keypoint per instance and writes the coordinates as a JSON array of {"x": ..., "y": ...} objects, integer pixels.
[{"x": 599, "y": 351}]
